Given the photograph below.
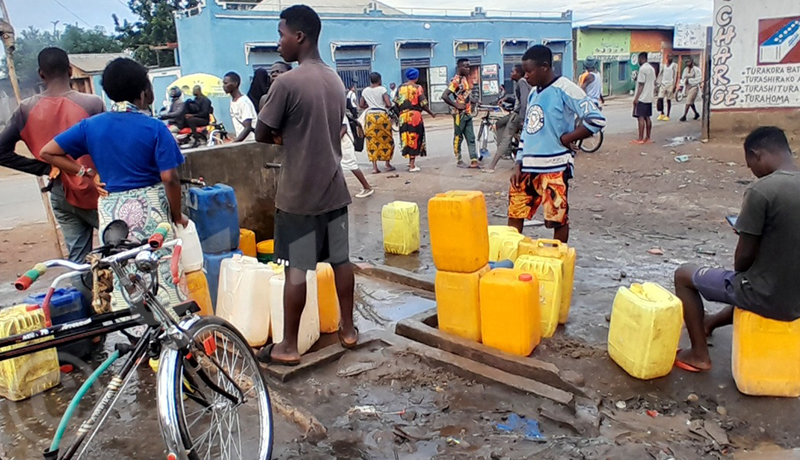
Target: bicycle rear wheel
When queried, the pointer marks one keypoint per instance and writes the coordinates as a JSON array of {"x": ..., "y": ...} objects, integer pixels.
[
  {"x": 592, "y": 144},
  {"x": 198, "y": 422}
]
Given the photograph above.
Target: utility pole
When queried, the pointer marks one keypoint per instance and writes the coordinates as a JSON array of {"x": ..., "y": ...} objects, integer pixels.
[
  {"x": 7, "y": 32},
  {"x": 55, "y": 24}
]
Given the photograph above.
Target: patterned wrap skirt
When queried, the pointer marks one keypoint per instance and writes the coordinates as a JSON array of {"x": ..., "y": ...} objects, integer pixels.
[
  {"x": 142, "y": 209},
  {"x": 380, "y": 139}
]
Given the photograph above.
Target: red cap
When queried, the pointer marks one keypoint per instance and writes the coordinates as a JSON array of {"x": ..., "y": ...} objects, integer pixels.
[{"x": 526, "y": 277}]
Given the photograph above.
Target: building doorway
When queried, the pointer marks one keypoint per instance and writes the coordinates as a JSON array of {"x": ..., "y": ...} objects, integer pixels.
[{"x": 421, "y": 64}]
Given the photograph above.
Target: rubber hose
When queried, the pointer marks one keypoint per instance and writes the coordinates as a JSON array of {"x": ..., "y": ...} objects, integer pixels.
[{"x": 62, "y": 426}]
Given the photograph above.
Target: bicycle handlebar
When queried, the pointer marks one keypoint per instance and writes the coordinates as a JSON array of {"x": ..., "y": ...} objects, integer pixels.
[
  {"x": 157, "y": 239},
  {"x": 25, "y": 281}
]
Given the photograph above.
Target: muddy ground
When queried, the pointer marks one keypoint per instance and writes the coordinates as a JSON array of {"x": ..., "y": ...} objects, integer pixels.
[{"x": 625, "y": 200}]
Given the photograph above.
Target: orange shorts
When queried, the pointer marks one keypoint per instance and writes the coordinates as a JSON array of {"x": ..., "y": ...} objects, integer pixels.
[{"x": 546, "y": 189}]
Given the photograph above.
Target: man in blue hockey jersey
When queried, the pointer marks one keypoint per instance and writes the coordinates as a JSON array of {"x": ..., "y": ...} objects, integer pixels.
[{"x": 546, "y": 155}]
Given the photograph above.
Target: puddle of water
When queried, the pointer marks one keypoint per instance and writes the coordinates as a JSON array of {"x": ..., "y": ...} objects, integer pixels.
[{"x": 379, "y": 304}]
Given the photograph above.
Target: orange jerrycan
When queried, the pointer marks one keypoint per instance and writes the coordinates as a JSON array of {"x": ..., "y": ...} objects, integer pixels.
[
  {"x": 459, "y": 231},
  {"x": 329, "y": 313},
  {"x": 510, "y": 318},
  {"x": 765, "y": 355},
  {"x": 458, "y": 303}
]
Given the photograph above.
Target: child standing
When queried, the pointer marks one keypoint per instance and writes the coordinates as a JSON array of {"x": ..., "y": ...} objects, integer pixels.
[{"x": 546, "y": 156}]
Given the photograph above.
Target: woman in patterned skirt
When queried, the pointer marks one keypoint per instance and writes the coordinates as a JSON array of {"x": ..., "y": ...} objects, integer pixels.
[
  {"x": 377, "y": 124},
  {"x": 137, "y": 159},
  {"x": 412, "y": 101}
]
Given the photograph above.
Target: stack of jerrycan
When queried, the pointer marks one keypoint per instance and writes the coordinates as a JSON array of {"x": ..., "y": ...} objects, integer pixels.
[
  {"x": 460, "y": 246},
  {"x": 765, "y": 355},
  {"x": 243, "y": 298},
  {"x": 645, "y": 328},
  {"x": 25, "y": 376},
  {"x": 192, "y": 266},
  {"x": 400, "y": 224},
  {"x": 554, "y": 249},
  {"x": 216, "y": 216}
]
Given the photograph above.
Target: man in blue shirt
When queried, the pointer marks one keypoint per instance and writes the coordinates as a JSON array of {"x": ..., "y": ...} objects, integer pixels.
[{"x": 546, "y": 155}]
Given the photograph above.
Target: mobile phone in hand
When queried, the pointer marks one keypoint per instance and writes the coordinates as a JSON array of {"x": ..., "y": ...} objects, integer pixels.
[{"x": 732, "y": 220}]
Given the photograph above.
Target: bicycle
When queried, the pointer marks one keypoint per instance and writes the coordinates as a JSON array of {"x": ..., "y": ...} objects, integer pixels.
[
  {"x": 209, "y": 385},
  {"x": 488, "y": 127}
]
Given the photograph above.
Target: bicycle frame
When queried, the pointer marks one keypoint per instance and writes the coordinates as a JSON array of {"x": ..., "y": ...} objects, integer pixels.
[{"x": 168, "y": 330}]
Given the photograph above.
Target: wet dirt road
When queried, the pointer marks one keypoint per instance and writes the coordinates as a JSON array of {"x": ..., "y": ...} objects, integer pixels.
[{"x": 625, "y": 200}]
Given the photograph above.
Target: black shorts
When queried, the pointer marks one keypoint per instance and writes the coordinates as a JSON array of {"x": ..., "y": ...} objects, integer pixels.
[
  {"x": 643, "y": 110},
  {"x": 303, "y": 241}
]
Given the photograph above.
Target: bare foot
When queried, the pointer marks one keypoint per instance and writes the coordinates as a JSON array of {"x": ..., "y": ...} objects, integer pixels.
[
  {"x": 647, "y": 141},
  {"x": 690, "y": 357},
  {"x": 637, "y": 141}
]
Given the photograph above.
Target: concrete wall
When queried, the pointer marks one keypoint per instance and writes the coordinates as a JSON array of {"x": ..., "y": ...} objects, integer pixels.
[
  {"x": 213, "y": 41},
  {"x": 612, "y": 48},
  {"x": 755, "y": 78},
  {"x": 241, "y": 166}
]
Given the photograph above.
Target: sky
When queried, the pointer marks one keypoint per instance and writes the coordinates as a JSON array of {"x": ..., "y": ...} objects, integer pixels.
[{"x": 91, "y": 13}]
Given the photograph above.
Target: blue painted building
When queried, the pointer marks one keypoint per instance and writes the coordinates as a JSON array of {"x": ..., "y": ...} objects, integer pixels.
[{"x": 359, "y": 38}]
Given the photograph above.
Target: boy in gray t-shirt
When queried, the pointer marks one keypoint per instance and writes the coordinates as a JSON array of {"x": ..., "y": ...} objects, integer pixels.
[{"x": 767, "y": 258}]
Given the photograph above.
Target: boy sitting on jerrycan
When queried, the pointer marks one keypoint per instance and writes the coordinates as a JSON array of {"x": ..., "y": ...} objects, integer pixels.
[{"x": 766, "y": 266}]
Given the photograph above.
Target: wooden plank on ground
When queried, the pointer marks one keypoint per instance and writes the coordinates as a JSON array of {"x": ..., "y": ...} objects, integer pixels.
[
  {"x": 478, "y": 371},
  {"x": 318, "y": 358},
  {"x": 417, "y": 329},
  {"x": 396, "y": 275}
]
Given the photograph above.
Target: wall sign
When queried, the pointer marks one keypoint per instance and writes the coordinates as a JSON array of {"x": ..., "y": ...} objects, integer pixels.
[
  {"x": 689, "y": 37},
  {"x": 755, "y": 55}
]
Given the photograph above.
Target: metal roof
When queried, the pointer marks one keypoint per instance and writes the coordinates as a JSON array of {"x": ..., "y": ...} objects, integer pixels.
[
  {"x": 332, "y": 6},
  {"x": 625, "y": 27},
  {"x": 94, "y": 62}
]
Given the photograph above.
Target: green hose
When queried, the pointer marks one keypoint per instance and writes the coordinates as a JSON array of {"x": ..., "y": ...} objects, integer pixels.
[{"x": 62, "y": 426}]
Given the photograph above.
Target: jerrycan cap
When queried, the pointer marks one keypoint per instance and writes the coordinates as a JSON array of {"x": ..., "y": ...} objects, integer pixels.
[{"x": 526, "y": 277}]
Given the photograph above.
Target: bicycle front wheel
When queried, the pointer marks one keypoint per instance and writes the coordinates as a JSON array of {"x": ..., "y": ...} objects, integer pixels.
[
  {"x": 593, "y": 143},
  {"x": 197, "y": 421}
]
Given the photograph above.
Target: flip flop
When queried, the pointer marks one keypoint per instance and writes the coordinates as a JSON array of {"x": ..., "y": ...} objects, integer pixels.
[
  {"x": 265, "y": 356},
  {"x": 686, "y": 366},
  {"x": 391, "y": 169},
  {"x": 350, "y": 346}
]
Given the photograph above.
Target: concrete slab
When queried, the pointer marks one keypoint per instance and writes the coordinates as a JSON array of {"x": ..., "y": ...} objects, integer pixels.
[
  {"x": 422, "y": 328},
  {"x": 468, "y": 368}
]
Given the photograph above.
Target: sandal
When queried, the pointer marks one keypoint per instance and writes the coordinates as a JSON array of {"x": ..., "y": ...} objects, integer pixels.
[
  {"x": 264, "y": 355},
  {"x": 349, "y": 346},
  {"x": 365, "y": 193},
  {"x": 686, "y": 366}
]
